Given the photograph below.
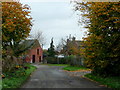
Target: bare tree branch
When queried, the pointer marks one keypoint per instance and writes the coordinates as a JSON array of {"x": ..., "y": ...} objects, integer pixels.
[{"x": 39, "y": 36}]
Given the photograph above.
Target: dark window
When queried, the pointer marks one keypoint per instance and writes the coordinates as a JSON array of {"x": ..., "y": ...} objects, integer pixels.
[
  {"x": 38, "y": 51},
  {"x": 39, "y": 58},
  {"x": 33, "y": 59}
]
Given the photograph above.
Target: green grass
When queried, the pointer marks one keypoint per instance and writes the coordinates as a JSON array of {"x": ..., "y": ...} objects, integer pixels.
[
  {"x": 16, "y": 82},
  {"x": 111, "y": 82},
  {"x": 0, "y": 84},
  {"x": 74, "y": 68}
]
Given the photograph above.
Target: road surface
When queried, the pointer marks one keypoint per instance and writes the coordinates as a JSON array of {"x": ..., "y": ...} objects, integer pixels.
[{"x": 54, "y": 77}]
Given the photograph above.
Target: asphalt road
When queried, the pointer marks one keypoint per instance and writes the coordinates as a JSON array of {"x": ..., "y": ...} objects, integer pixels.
[{"x": 54, "y": 77}]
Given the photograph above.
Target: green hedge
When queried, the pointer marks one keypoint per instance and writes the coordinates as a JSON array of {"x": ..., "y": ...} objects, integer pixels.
[
  {"x": 72, "y": 60},
  {"x": 54, "y": 60}
]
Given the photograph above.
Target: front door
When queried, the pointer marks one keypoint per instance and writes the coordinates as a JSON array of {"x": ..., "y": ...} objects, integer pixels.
[
  {"x": 39, "y": 58},
  {"x": 33, "y": 58}
]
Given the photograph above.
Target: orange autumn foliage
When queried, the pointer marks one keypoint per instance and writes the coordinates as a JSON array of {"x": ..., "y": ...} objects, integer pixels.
[
  {"x": 102, "y": 45},
  {"x": 16, "y": 22}
]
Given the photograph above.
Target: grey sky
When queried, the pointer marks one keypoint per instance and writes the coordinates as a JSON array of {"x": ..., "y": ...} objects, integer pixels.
[{"x": 55, "y": 19}]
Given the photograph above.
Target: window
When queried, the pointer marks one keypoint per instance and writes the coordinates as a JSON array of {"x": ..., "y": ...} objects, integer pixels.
[{"x": 37, "y": 51}]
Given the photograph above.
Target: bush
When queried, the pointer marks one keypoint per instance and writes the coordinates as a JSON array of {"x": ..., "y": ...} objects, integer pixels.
[
  {"x": 51, "y": 60},
  {"x": 72, "y": 60},
  {"x": 9, "y": 62},
  {"x": 17, "y": 78},
  {"x": 55, "y": 60}
]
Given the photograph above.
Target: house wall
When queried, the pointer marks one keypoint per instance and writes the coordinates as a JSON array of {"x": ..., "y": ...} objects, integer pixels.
[{"x": 38, "y": 56}]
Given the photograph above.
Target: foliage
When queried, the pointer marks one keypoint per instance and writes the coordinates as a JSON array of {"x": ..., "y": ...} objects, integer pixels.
[
  {"x": 103, "y": 42},
  {"x": 45, "y": 53},
  {"x": 51, "y": 60},
  {"x": 74, "y": 60},
  {"x": 51, "y": 50},
  {"x": 9, "y": 62},
  {"x": 112, "y": 82},
  {"x": 15, "y": 79},
  {"x": 71, "y": 46},
  {"x": 16, "y": 24},
  {"x": 71, "y": 60},
  {"x": 74, "y": 68}
]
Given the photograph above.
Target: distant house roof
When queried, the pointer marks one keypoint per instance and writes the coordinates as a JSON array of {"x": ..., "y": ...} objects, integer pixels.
[{"x": 28, "y": 44}]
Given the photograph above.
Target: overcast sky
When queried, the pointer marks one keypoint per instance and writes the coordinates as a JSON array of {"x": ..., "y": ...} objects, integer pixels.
[{"x": 55, "y": 19}]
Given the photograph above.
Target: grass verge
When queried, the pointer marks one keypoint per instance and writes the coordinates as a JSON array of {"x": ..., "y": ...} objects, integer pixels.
[
  {"x": 0, "y": 84},
  {"x": 74, "y": 68},
  {"x": 111, "y": 82},
  {"x": 16, "y": 81}
]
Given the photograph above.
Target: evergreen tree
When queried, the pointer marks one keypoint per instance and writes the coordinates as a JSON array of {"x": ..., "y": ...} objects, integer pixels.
[{"x": 51, "y": 50}]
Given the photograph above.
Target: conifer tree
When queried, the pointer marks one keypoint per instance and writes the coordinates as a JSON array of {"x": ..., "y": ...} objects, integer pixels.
[{"x": 51, "y": 50}]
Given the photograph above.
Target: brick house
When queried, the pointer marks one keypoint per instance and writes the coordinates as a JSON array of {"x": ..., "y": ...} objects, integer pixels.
[{"x": 34, "y": 51}]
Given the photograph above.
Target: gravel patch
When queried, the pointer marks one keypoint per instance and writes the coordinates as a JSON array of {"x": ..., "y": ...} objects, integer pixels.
[{"x": 77, "y": 73}]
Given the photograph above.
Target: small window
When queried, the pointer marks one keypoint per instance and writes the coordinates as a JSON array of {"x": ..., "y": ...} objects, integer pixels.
[{"x": 38, "y": 51}]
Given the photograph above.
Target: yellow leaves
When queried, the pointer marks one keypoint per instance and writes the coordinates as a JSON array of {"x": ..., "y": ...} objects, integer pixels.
[
  {"x": 16, "y": 23},
  {"x": 117, "y": 22},
  {"x": 9, "y": 25},
  {"x": 102, "y": 44},
  {"x": 106, "y": 21},
  {"x": 85, "y": 14},
  {"x": 4, "y": 38},
  {"x": 82, "y": 9},
  {"x": 104, "y": 26}
]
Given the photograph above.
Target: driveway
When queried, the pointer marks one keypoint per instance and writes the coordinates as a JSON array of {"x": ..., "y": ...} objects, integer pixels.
[{"x": 54, "y": 77}]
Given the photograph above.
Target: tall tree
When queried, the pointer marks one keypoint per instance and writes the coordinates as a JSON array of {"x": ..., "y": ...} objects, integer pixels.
[
  {"x": 51, "y": 50},
  {"x": 103, "y": 42},
  {"x": 16, "y": 23}
]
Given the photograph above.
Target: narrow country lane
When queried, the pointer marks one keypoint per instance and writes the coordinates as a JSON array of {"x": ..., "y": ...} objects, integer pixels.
[{"x": 53, "y": 77}]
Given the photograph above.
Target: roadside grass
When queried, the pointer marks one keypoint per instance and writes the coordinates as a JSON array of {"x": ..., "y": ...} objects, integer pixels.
[
  {"x": 16, "y": 80},
  {"x": 110, "y": 82},
  {"x": 74, "y": 68},
  {"x": 0, "y": 84}
]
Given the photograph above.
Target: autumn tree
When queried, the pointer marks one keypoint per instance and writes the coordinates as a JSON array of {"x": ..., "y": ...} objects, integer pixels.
[
  {"x": 103, "y": 42},
  {"x": 71, "y": 46},
  {"x": 16, "y": 24}
]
